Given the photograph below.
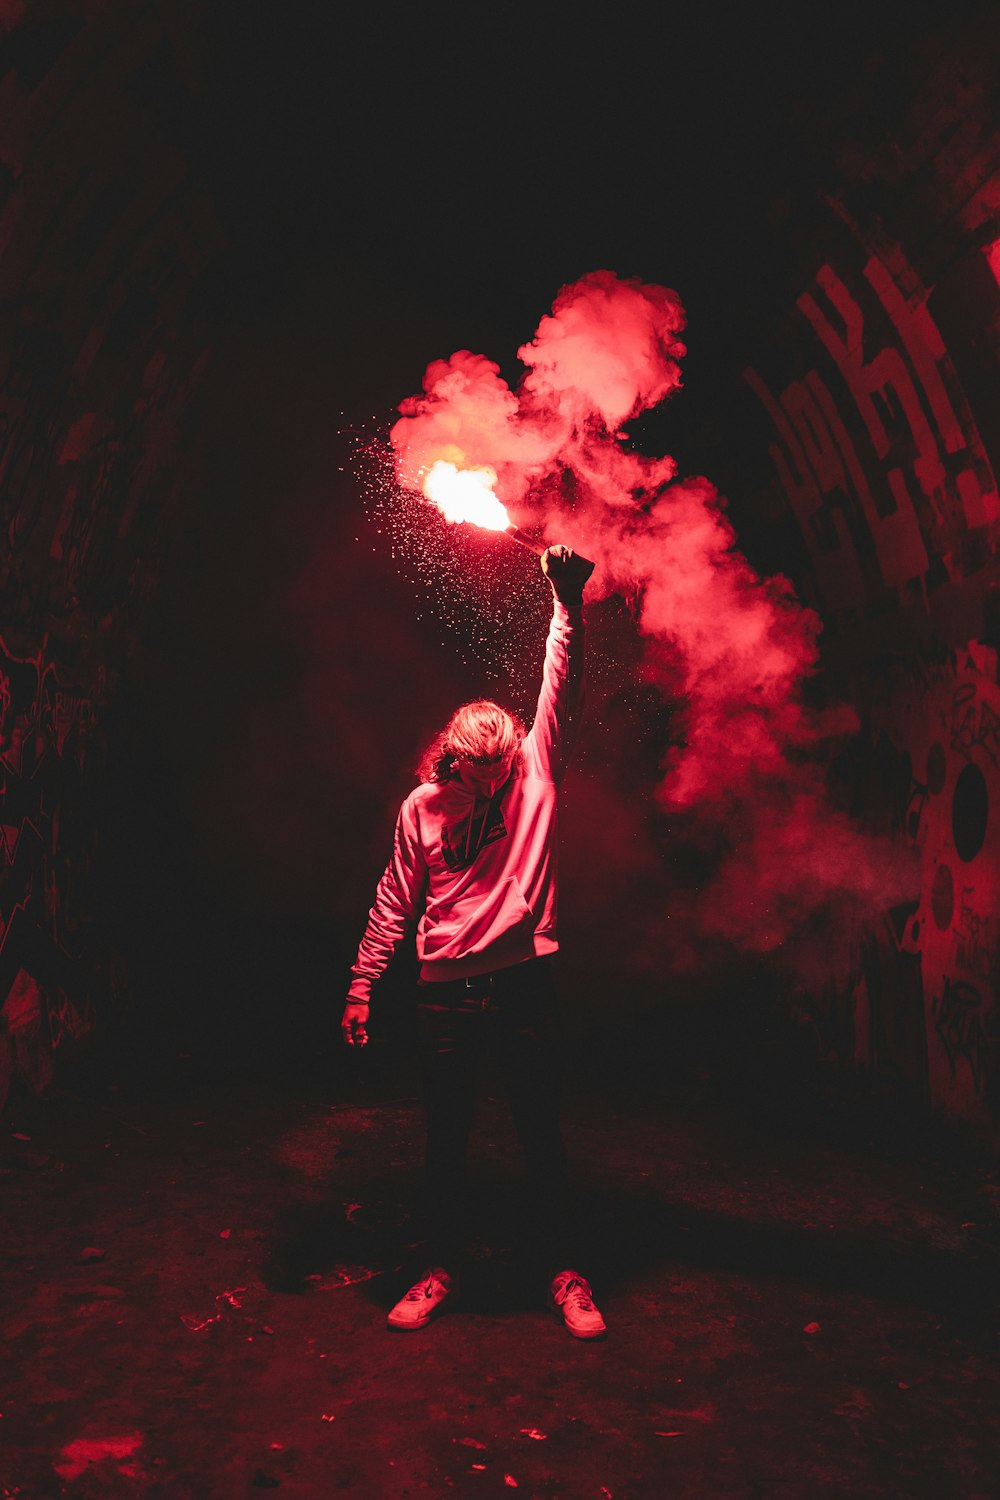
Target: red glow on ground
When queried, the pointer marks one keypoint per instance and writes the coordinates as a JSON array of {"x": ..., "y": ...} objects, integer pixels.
[{"x": 82, "y": 1453}]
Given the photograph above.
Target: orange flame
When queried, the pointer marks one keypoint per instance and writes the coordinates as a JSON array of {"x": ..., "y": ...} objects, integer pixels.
[{"x": 465, "y": 495}]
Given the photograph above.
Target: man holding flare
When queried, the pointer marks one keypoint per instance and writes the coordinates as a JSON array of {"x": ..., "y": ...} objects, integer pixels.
[{"x": 474, "y": 867}]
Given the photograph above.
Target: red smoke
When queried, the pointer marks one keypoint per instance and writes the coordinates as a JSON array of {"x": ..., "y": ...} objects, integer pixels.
[{"x": 736, "y": 648}]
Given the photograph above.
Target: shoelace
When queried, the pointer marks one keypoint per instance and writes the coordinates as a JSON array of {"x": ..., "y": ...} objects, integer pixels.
[
  {"x": 420, "y": 1291},
  {"x": 583, "y": 1300}
]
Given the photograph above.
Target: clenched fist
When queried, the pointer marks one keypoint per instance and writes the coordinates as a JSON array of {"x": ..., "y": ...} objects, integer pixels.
[{"x": 354, "y": 1024}]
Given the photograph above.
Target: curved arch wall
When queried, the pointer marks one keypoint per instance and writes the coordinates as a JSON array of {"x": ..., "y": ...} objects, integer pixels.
[{"x": 872, "y": 449}]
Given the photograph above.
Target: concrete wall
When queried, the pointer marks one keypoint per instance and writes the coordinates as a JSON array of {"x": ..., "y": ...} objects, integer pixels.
[
  {"x": 103, "y": 233},
  {"x": 867, "y": 470}
]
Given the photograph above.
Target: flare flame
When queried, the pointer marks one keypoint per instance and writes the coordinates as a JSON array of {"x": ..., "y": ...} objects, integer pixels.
[{"x": 465, "y": 495}]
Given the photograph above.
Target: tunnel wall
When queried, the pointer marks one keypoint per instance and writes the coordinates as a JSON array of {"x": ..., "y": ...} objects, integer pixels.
[
  {"x": 871, "y": 450},
  {"x": 104, "y": 232},
  {"x": 864, "y": 444}
]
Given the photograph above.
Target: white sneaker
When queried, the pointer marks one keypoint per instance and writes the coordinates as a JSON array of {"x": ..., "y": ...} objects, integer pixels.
[
  {"x": 570, "y": 1299},
  {"x": 423, "y": 1301}
]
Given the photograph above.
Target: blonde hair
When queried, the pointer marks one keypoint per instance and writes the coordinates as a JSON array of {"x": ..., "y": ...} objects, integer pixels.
[{"x": 479, "y": 730}]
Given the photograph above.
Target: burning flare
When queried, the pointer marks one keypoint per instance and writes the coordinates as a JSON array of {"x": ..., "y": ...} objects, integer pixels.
[{"x": 465, "y": 495}]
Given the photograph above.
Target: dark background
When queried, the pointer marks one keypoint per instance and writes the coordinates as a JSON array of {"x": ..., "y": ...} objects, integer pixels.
[
  {"x": 387, "y": 187},
  {"x": 393, "y": 187}
]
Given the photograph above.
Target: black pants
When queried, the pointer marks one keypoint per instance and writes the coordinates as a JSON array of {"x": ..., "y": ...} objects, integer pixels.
[{"x": 507, "y": 1019}]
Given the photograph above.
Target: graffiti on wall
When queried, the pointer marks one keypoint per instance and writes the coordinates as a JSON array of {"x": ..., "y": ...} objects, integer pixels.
[
  {"x": 875, "y": 446},
  {"x": 880, "y": 461},
  {"x": 941, "y": 963},
  {"x": 961, "y": 945}
]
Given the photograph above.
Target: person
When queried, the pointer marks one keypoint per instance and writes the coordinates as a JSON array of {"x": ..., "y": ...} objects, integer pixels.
[{"x": 474, "y": 866}]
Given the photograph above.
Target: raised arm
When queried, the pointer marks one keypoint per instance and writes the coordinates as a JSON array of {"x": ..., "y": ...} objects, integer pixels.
[
  {"x": 560, "y": 701},
  {"x": 398, "y": 903}
]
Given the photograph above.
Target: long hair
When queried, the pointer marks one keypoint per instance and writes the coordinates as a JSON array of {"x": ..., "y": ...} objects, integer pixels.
[{"x": 479, "y": 728}]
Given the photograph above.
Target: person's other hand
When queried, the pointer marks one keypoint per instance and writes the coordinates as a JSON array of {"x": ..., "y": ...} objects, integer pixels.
[{"x": 354, "y": 1024}]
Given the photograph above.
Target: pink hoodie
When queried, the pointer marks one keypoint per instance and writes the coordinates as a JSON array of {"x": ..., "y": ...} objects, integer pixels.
[{"x": 485, "y": 896}]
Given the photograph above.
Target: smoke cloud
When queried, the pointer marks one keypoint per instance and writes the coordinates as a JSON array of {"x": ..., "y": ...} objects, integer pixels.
[{"x": 747, "y": 773}]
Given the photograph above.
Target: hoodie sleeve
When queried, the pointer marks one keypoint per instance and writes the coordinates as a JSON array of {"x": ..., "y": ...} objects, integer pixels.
[
  {"x": 549, "y": 743},
  {"x": 399, "y": 901}
]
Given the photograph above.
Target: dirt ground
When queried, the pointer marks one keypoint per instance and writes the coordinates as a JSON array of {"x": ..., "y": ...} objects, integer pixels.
[{"x": 801, "y": 1299}]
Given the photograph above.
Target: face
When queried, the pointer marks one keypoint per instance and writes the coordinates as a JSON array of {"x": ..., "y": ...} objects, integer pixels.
[{"x": 483, "y": 777}]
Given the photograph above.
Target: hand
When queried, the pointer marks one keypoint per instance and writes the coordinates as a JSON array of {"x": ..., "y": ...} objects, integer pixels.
[
  {"x": 567, "y": 572},
  {"x": 354, "y": 1024}
]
